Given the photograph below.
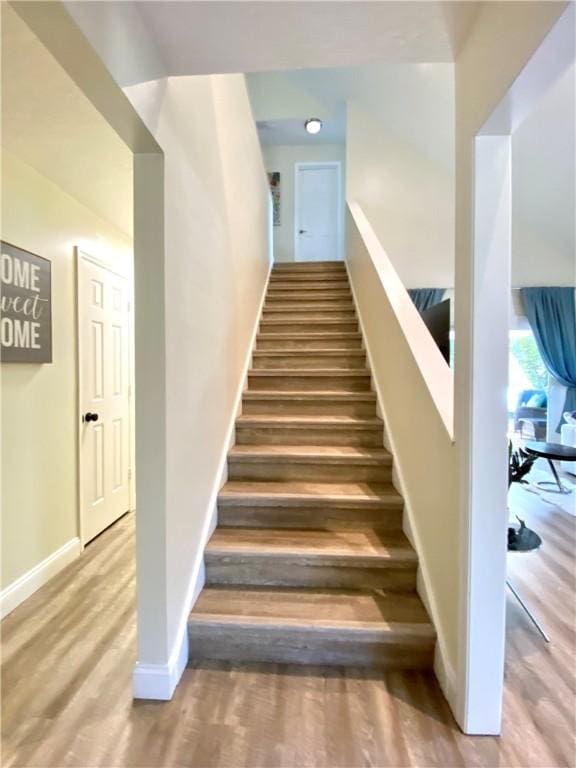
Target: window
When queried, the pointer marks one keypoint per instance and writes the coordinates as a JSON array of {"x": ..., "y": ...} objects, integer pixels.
[{"x": 526, "y": 369}]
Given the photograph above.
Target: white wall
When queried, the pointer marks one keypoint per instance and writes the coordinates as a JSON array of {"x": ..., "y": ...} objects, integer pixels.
[
  {"x": 544, "y": 190},
  {"x": 284, "y": 159},
  {"x": 486, "y": 67},
  {"x": 39, "y": 408},
  {"x": 407, "y": 198},
  {"x": 216, "y": 208}
]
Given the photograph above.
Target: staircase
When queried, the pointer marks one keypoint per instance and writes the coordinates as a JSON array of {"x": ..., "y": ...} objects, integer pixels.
[{"x": 309, "y": 564}]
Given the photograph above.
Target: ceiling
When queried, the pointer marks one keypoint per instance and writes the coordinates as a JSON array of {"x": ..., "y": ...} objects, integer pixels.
[
  {"x": 414, "y": 102},
  {"x": 224, "y": 37},
  {"x": 49, "y": 124}
]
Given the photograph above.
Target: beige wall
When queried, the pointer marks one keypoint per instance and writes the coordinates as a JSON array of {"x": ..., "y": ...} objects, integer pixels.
[
  {"x": 415, "y": 394},
  {"x": 544, "y": 190},
  {"x": 39, "y": 411},
  {"x": 401, "y": 170},
  {"x": 215, "y": 266},
  {"x": 284, "y": 159}
]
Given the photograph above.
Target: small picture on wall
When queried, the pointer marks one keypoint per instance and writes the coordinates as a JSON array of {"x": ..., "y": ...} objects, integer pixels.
[
  {"x": 274, "y": 181},
  {"x": 26, "y": 319}
]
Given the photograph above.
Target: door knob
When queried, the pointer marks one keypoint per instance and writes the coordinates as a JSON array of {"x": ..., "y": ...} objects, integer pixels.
[
  {"x": 301, "y": 231},
  {"x": 90, "y": 417}
]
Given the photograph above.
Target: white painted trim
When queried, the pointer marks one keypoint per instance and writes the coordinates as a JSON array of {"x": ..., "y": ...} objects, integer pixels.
[
  {"x": 25, "y": 586},
  {"x": 482, "y": 629},
  {"x": 443, "y": 669},
  {"x": 158, "y": 681},
  {"x": 341, "y": 204}
]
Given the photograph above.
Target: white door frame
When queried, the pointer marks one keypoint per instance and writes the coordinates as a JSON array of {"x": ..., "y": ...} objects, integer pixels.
[
  {"x": 483, "y": 611},
  {"x": 82, "y": 255},
  {"x": 339, "y": 216}
]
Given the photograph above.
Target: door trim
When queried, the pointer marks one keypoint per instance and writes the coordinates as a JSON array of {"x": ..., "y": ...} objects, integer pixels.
[
  {"x": 337, "y": 164},
  {"x": 81, "y": 255}
]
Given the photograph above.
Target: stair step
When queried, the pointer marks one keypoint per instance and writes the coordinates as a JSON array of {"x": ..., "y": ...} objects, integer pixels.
[
  {"x": 300, "y": 278},
  {"x": 307, "y": 306},
  {"x": 308, "y": 314},
  {"x": 296, "y": 325},
  {"x": 367, "y": 627},
  {"x": 320, "y": 358},
  {"x": 309, "y": 430},
  {"x": 322, "y": 294},
  {"x": 291, "y": 557},
  {"x": 309, "y": 463},
  {"x": 329, "y": 379},
  {"x": 308, "y": 266},
  {"x": 309, "y": 287},
  {"x": 322, "y": 340},
  {"x": 326, "y": 301},
  {"x": 309, "y": 403},
  {"x": 320, "y": 506}
]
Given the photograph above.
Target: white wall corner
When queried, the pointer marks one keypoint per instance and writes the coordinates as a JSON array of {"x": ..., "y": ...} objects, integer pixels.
[
  {"x": 159, "y": 681},
  {"x": 25, "y": 586}
]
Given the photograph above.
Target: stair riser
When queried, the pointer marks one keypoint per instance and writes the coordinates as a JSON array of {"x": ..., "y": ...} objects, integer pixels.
[
  {"x": 308, "y": 266},
  {"x": 307, "y": 344},
  {"x": 302, "y": 296},
  {"x": 310, "y": 287},
  {"x": 285, "y": 645},
  {"x": 309, "y": 360},
  {"x": 303, "y": 408},
  {"x": 335, "y": 302},
  {"x": 307, "y": 383},
  {"x": 314, "y": 518},
  {"x": 315, "y": 472},
  {"x": 295, "y": 314},
  {"x": 309, "y": 326},
  {"x": 369, "y": 437},
  {"x": 308, "y": 306},
  {"x": 289, "y": 571}
]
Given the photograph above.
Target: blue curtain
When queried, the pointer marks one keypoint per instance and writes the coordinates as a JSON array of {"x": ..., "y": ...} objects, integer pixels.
[
  {"x": 551, "y": 313},
  {"x": 424, "y": 298}
]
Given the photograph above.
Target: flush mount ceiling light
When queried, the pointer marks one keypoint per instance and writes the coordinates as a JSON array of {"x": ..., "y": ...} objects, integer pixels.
[{"x": 314, "y": 125}]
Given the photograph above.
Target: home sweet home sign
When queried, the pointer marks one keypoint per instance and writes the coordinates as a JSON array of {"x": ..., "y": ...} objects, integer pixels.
[{"x": 26, "y": 304}]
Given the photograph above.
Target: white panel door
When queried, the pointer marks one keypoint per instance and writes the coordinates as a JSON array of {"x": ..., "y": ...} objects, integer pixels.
[
  {"x": 318, "y": 212},
  {"x": 104, "y": 397}
]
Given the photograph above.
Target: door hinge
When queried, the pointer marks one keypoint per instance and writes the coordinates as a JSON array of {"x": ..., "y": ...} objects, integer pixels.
[{"x": 130, "y": 473}]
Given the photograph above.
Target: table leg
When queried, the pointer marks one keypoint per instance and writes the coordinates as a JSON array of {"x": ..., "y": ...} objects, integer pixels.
[{"x": 561, "y": 488}]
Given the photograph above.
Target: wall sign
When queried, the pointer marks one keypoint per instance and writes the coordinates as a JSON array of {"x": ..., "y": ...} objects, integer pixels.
[{"x": 26, "y": 307}]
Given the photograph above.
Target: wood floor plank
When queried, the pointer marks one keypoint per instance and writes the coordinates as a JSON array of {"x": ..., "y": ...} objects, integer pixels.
[{"x": 76, "y": 710}]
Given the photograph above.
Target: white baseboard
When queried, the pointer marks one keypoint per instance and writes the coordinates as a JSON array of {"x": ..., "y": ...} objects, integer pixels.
[
  {"x": 158, "y": 681},
  {"x": 442, "y": 668},
  {"x": 21, "y": 589}
]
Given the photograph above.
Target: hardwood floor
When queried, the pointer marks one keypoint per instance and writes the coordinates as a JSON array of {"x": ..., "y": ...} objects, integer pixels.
[{"x": 68, "y": 654}]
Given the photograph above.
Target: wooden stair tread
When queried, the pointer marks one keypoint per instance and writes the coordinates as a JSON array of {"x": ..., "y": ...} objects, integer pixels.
[
  {"x": 271, "y": 321},
  {"x": 329, "y": 420},
  {"x": 309, "y": 335},
  {"x": 369, "y": 546},
  {"x": 310, "y": 396},
  {"x": 314, "y": 608},
  {"x": 333, "y": 454},
  {"x": 309, "y": 494},
  {"x": 352, "y": 373},
  {"x": 328, "y": 352}
]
